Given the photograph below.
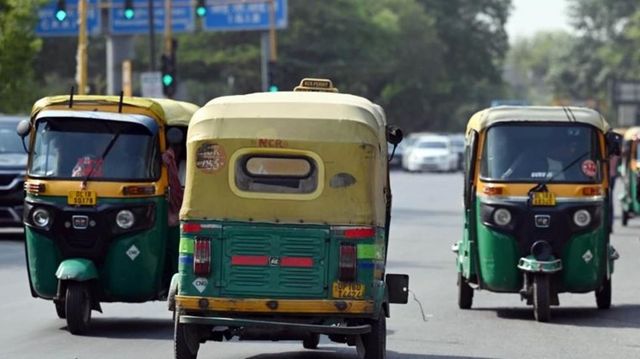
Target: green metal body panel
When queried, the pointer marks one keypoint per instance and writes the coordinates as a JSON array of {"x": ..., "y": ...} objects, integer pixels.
[
  {"x": 272, "y": 281},
  {"x": 633, "y": 183},
  {"x": 77, "y": 269},
  {"x": 585, "y": 262},
  {"x": 530, "y": 264},
  {"x": 120, "y": 277},
  {"x": 498, "y": 258}
]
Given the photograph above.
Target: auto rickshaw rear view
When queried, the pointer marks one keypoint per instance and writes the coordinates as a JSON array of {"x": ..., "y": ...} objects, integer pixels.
[
  {"x": 536, "y": 205},
  {"x": 97, "y": 210},
  {"x": 285, "y": 222}
]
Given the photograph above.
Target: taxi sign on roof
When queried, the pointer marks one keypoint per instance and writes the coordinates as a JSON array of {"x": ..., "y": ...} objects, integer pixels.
[{"x": 317, "y": 85}]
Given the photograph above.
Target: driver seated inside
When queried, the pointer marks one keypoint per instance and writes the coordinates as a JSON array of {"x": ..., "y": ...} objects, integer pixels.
[
  {"x": 559, "y": 159},
  {"x": 90, "y": 163}
]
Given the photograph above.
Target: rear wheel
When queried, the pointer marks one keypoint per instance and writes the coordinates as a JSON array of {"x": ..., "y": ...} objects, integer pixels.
[
  {"x": 625, "y": 218},
  {"x": 312, "y": 341},
  {"x": 541, "y": 301},
  {"x": 603, "y": 295},
  {"x": 60, "y": 309},
  {"x": 465, "y": 293},
  {"x": 78, "y": 308},
  {"x": 184, "y": 345},
  {"x": 374, "y": 343}
]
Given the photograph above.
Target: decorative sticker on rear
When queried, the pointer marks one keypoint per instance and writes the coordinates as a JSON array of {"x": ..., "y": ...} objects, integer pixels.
[
  {"x": 370, "y": 251},
  {"x": 200, "y": 284},
  {"x": 186, "y": 246},
  {"x": 589, "y": 168},
  {"x": 210, "y": 157}
]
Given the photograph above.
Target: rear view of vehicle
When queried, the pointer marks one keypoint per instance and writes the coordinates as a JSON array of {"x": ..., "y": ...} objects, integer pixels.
[
  {"x": 13, "y": 162},
  {"x": 432, "y": 153},
  {"x": 285, "y": 223}
]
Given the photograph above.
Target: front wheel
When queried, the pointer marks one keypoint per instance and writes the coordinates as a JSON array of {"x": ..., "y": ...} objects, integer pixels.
[
  {"x": 625, "y": 218},
  {"x": 184, "y": 347},
  {"x": 541, "y": 298},
  {"x": 603, "y": 295},
  {"x": 312, "y": 341},
  {"x": 374, "y": 343},
  {"x": 78, "y": 308},
  {"x": 465, "y": 293}
]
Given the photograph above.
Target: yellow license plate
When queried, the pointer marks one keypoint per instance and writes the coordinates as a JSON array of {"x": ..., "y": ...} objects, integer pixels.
[
  {"x": 543, "y": 199},
  {"x": 348, "y": 290},
  {"x": 82, "y": 198}
]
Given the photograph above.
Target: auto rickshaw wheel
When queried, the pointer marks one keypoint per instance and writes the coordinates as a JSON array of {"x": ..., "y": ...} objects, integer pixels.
[
  {"x": 374, "y": 343},
  {"x": 181, "y": 338},
  {"x": 603, "y": 295},
  {"x": 311, "y": 341},
  {"x": 541, "y": 298},
  {"x": 465, "y": 293},
  {"x": 625, "y": 218},
  {"x": 60, "y": 309},
  {"x": 78, "y": 308}
]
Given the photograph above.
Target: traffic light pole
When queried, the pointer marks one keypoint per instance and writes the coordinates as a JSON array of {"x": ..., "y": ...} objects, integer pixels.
[
  {"x": 81, "y": 58},
  {"x": 152, "y": 38},
  {"x": 168, "y": 37}
]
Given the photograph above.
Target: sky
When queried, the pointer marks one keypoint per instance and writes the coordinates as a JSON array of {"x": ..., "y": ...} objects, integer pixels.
[{"x": 530, "y": 16}]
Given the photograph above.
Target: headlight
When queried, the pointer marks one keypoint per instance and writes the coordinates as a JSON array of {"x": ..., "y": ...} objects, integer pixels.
[
  {"x": 502, "y": 216},
  {"x": 582, "y": 218},
  {"x": 125, "y": 219},
  {"x": 41, "y": 217}
]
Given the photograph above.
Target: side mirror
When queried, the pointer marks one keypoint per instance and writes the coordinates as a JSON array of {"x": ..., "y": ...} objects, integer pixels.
[
  {"x": 614, "y": 142},
  {"x": 24, "y": 128},
  {"x": 394, "y": 135},
  {"x": 174, "y": 136}
]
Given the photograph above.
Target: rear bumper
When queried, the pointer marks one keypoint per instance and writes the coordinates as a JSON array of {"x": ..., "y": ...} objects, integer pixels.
[
  {"x": 310, "y": 328},
  {"x": 267, "y": 306}
]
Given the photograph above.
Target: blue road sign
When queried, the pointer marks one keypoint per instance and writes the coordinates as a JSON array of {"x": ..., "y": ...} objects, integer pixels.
[
  {"x": 244, "y": 16},
  {"x": 48, "y": 25},
  {"x": 182, "y": 17}
]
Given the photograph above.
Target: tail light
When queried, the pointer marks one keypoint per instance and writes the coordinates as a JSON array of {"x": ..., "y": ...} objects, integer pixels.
[
  {"x": 191, "y": 227},
  {"x": 348, "y": 263},
  {"x": 202, "y": 256},
  {"x": 354, "y": 232}
]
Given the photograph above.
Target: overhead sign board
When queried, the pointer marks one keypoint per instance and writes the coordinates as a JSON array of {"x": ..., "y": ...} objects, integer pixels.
[
  {"x": 225, "y": 15},
  {"x": 48, "y": 25},
  {"x": 182, "y": 17}
]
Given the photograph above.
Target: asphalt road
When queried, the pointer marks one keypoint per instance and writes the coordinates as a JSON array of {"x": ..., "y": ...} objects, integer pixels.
[{"x": 427, "y": 219}]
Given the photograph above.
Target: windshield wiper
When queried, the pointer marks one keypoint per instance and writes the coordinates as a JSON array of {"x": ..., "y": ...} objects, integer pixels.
[
  {"x": 542, "y": 185},
  {"x": 104, "y": 154}
]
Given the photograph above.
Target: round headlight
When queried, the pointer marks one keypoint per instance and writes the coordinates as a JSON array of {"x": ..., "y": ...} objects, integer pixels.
[
  {"x": 125, "y": 219},
  {"x": 582, "y": 218},
  {"x": 41, "y": 217},
  {"x": 502, "y": 216}
]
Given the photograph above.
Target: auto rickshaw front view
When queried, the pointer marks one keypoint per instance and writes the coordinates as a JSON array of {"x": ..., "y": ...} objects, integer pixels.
[
  {"x": 536, "y": 205},
  {"x": 285, "y": 222},
  {"x": 96, "y": 216}
]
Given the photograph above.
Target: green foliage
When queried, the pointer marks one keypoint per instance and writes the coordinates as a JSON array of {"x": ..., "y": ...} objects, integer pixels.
[{"x": 18, "y": 46}]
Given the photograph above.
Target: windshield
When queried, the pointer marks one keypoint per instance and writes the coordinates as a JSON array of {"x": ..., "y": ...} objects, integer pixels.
[
  {"x": 529, "y": 153},
  {"x": 433, "y": 144},
  {"x": 67, "y": 148},
  {"x": 9, "y": 139}
]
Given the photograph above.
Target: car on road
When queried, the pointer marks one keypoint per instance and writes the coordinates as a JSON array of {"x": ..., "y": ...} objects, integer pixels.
[
  {"x": 457, "y": 143},
  {"x": 431, "y": 153},
  {"x": 13, "y": 162}
]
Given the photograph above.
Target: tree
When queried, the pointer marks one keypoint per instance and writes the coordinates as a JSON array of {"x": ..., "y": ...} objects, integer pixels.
[{"x": 18, "y": 46}]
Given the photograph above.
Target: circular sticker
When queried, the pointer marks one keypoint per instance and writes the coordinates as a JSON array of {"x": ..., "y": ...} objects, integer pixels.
[
  {"x": 589, "y": 168},
  {"x": 210, "y": 157}
]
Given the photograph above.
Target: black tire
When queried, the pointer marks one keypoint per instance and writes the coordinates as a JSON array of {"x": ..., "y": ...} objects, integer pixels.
[
  {"x": 180, "y": 347},
  {"x": 625, "y": 218},
  {"x": 541, "y": 298},
  {"x": 374, "y": 343},
  {"x": 312, "y": 341},
  {"x": 603, "y": 295},
  {"x": 465, "y": 293},
  {"x": 60, "y": 309},
  {"x": 78, "y": 308}
]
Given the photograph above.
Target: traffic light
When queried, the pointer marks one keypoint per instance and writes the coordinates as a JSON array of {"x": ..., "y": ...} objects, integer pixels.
[
  {"x": 201, "y": 8},
  {"x": 271, "y": 76},
  {"x": 129, "y": 11},
  {"x": 61, "y": 10},
  {"x": 169, "y": 72}
]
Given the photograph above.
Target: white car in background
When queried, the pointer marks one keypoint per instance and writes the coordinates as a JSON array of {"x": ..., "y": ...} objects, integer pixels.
[{"x": 430, "y": 153}]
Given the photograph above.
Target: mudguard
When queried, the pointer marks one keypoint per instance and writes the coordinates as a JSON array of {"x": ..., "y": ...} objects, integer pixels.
[
  {"x": 77, "y": 269},
  {"x": 173, "y": 290}
]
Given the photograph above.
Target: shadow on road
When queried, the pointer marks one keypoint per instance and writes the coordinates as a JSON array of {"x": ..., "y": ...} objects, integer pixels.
[
  {"x": 134, "y": 328},
  {"x": 618, "y": 316},
  {"x": 329, "y": 352}
]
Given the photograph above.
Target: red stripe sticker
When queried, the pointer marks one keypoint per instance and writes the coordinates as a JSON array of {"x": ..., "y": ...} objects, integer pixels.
[
  {"x": 249, "y": 260},
  {"x": 296, "y": 262}
]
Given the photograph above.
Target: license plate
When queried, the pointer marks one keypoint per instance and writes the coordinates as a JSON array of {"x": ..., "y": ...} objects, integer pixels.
[
  {"x": 348, "y": 290},
  {"x": 82, "y": 198},
  {"x": 543, "y": 199}
]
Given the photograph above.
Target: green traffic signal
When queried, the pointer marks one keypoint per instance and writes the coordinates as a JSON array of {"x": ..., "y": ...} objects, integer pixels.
[
  {"x": 273, "y": 88},
  {"x": 61, "y": 10},
  {"x": 61, "y": 15},
  {"x": 129, "y": 14},
  {"x": 167, "y": 79},
  {"x": 201, "y": 11}
]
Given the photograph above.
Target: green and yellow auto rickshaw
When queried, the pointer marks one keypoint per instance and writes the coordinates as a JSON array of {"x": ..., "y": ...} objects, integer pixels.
[
  {"x": 285, "y": 222},
  {"x": 536, "y": 202},
  {"x": 98, "y": 203},
  {"x": 630, "y": 175}
]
